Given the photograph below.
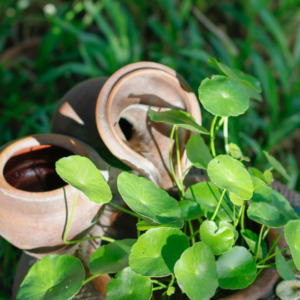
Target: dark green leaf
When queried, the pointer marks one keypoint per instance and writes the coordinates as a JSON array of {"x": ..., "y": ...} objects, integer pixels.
[
  {"x": 251, "y": 239},
  {"x": 82, "y": 174},
  {"x": 230, "y": 174},
  {"x": 56, "y": 277},
  {"x": 111, "y": 258},
  {"x": 197, "y": 152},
  {"x": 236, "y": 269},
  {"x": 157, "y": 251},
  {"x": 143, "y": 197},
  {"x": 196, "y": 272},
  {"x": 129, "y": 285},
  {"x": 283, "y": 268},
  {"x": 147, "y": 224},
  {"x": 190, "y": 210},
  {"x": 179, "y": 118},
  {"x": 261, "y": 192}
]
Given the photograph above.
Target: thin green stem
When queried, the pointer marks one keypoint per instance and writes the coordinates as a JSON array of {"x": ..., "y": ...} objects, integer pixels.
[
  {"x": 186, "y": 171},
  {"x": 225, "y": 127},
  {"x": 274, "y": 254},
  {"x": 158, "y": 288},
  {"x": 179, "y": 163},
  {"x": 243, "y": 216},
  {"x": 239, "y": 216},
  {"x": 266, "y": 266},
  {"x": 259, "y": 242},
  {"x": 218, "y": 206},
  {"x": 234, "y": 213},
  {"x": 219, "y": 125},
  {"x": 212, "y": 136},
  {"x": 90, "y": 278},
  {"x": 104, "y": 238},
  {"x": 172, "y": 280},
  {"x": 71, "y": 218},
  {"x": 159, "y": 283},
  {"x": 171, "y": 158},
  {"x": 194, "y": 234},
  {"x": 123, "y": 209},
  {"x": 266, "y": 233},
  {"x": 191, "y": 231}
]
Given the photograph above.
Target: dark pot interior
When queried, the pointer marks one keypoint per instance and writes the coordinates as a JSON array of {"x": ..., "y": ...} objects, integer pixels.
[{"x": 33, "y": 169}]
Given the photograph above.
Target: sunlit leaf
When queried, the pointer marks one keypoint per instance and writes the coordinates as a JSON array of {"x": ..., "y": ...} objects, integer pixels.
[
  {"x": 292, "y": 236},
  {"x": 283, "y": 268}
]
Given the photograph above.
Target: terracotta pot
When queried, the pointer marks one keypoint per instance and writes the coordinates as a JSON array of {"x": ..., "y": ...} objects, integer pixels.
[
  {"x": 121, "y": 117},
  {"x": 35, "y": 203}
]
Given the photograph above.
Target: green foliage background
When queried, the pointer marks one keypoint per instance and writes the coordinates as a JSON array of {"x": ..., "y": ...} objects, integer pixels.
[{"x": 48, "y": 47}]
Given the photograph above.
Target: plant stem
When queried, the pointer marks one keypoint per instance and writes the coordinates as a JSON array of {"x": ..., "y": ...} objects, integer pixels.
[
  {"x": 90, "y": 278},
  {"x": 239, "y": 216},
  {"x": 194, "y": 234},
  {"x": 243, "y": 216},
  {"x": 123, "y": 209},
  {"x": 225, "y": 127},
  {"x": 218, "y": 206},
  {"x": 171, "y": 159},
  {"x": 212, "y": 136},
  {"x": 184, "y": 173},
  {"x": 219, "y": 125},
  {"x": 259, "y": 242},
  {"x": 178, "y": 162},
  {"x": 104, "y": 238},
  {"x": 233, "y": 214},
  {"x": 191, "y": 231},
  {"x": 172, "y": 280},
  {"x": 274, "y": 254},
  {"x": 158, "y": 283},
  {"x": 266, "y": 266},
  {"x": 266, "y": 233}
]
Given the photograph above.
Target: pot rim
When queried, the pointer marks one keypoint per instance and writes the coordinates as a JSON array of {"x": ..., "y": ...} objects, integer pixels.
[
  {"x": 73, "y": 145},
  {"x": 106, "y": 127}
]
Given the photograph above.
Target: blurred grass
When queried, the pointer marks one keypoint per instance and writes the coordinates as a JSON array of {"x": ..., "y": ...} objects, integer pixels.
[{"x": 46, "y": 48}]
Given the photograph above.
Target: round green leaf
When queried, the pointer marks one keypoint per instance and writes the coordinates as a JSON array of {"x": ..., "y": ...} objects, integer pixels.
[
  {"x": 207, "y": 194},
  {"x": 147, "y": 224},
  {"x": 247, "y": 80},
  {"x": 196, "y": 272},
  {"x": 230, "y": 174},
  {"x": 56, "y": 277},
  {"x": 197, "y": 152},
  {"x": 251, "y": 239},
  {"x": 292, "y": 236},
  {"x": 190, "y": 210},
  {"x": 129, "y": 285},
  {"x": 82, "y": 174},
  {"x": 111, "y": 258},
  {"x": 236, "y": 200},
  {"x": 157, "y": 251},
  {"x": 283, "y": 268},
  {"x": 143, "y": 197},
  {"x": 277, "y": 165},
  {"x": 223, "y": 96},
  {"x": 219, "y": 239},
  {"x": 261, "y": 192},
  {"x": 236, "y": 269},
  {"x": 179, "y": 118}
]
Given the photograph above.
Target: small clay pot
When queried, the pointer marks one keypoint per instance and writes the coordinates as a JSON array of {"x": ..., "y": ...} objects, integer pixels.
[
  {"x": 35, "y": 203},
  {"x": 117, "y": 120}
]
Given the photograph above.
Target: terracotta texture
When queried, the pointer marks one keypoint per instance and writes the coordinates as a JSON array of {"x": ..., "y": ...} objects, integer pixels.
[
  {"x": 35, "y": 202},
  {"x": 116, "y": 123}
]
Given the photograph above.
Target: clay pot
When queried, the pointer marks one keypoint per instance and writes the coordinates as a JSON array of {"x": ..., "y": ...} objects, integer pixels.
[
  {"x": 35, "y": 203},
  {"x": 120, "y": 113}
]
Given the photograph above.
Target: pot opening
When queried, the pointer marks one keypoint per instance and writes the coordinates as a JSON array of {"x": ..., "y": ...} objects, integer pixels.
[
  {"x": 33, "y": 169},
  {"x": 127, "y": 128}
]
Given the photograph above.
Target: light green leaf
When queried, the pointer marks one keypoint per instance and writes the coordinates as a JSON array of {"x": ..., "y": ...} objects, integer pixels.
[
  {"x": 178, "y": 118},
  {"x": 261, "y": 192},
  {"x": 255, "y": 172},
  {"x": 283, "y": 268},
  {"x": 197, "y": 152},
  {"x": 111, "y": 258},
  {"x": 235, "y": 151},
  {"x": 196, "y": 272},
  {"x": 277, "y": 165},
  {"x": 143, "y": 197},
  {"x": 236, "y": 200},
  {"x": 292, "y": 236},
  {"x": 252, "y": 94},
  {"x": 251, "y": 239},
  {"x": 245, "y": 79},
  {"x": 147, "y": 224},
  {"x": 236, "y": 269},
  {"x": 223, "y": 96},
  {"x": 207, "y": 194},
  {"x": 129, "y": 285},
  {"x": 219, "y": 239},
  {"x": 157, "y": 251},
  {"x": 268, "y": 176},
  {"x": 82, "y": 174},
  {"x": 190, "y": 210},
  {"x": 56, "y": 277},
  {"x": 230, "y": 174}
]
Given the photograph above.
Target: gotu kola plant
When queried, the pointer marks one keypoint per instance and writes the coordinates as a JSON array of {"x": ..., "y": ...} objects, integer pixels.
[{"x": 203, "y": 244}]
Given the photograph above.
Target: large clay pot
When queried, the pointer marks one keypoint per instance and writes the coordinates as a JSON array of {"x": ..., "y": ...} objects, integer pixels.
[
  {"x": 35, "y": 203},
  {"x": 121, "y": 115}
]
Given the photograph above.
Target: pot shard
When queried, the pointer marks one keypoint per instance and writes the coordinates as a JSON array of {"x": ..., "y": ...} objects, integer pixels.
[
  {"x": 111, "y": 115},
  {"x": 35, "y": 203}
]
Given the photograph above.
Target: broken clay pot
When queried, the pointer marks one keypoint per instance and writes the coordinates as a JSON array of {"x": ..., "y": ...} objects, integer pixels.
[
  {"x": 35, "y": 202},
  {"x": 119, "y": 115}
]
